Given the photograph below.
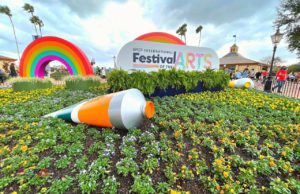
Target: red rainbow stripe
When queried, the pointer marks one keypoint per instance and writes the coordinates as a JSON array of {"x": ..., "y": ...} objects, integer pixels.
[{"x": 161, "y": 37}]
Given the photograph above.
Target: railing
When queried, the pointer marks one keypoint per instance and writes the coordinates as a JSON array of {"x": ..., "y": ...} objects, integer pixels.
[{"x": 290, "y": 89}]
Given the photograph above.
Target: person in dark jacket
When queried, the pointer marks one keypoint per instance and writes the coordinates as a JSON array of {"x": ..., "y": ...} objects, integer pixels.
[{"x": 13, "y": 72}]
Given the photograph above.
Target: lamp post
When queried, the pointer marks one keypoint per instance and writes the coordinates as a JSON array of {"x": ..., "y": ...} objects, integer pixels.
[
  {"x": 276, "y": 38},
  {"x": 115, "y": 65}
]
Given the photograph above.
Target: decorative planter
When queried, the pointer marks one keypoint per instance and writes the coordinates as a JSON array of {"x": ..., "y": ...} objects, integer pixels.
[{"x": 173, "y": 91}]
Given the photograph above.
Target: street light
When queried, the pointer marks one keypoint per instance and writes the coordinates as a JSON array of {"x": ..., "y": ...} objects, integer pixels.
[
  {"x": 276, "y": 38},
  {"x": 115, "y": 65}
]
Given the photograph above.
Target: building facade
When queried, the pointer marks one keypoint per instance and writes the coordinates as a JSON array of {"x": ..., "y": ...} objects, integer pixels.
[
  {"x": 5, "y": 62},
  {"x": 236, "y": 62}
]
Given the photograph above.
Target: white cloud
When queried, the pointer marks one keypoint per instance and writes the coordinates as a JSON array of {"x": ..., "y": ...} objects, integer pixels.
[
  {"x": 118, "y": 24},
  {"x": 102, "y": 32}
]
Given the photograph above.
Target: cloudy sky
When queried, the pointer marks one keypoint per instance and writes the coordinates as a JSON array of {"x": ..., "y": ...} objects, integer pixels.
[{"x": 101, "y": 27}]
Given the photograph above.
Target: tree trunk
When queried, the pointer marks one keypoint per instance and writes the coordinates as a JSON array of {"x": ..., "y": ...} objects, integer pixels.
[
  {"x": 184, "y": 38},
  {"x": 34, "y": 26},
  {"x": 40, "y": 30},
  {"x": 15, "y": 37},
  {"x": 199, "y": 39}
]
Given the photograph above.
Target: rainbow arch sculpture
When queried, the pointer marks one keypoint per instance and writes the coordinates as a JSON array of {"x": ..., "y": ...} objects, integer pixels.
[
  {"x": 161, "y": 37},
  {"x": 43, "y": 50}
]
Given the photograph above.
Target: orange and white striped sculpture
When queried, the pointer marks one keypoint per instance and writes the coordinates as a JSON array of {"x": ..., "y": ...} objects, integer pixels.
[
  {"x": 123, "y": 110},
  {"x": 242, "y": 83}
]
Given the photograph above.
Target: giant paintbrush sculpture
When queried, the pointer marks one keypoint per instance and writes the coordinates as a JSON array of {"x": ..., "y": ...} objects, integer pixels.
[{"x": 123, "y": 110}]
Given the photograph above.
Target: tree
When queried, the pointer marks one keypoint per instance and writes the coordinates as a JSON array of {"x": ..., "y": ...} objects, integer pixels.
[
  {"x": 289, "y": 17},
  {"x": 277, "y": 61},
  {"x": 182, "y": 31},
  {"x": 37, "y": 22},
  {"x": 5, "y": 10},
  {"x": 294, "y": 68},
  {"x": 179, "y": 32},
  {"x": 30, "y": 9},
  {"x": 198, "y": 30}
]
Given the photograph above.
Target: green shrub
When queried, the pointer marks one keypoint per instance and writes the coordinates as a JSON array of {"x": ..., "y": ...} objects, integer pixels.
[
  {"x": 27, "y": 84},
  {"x": 82, "y": 82},
  {"x": 147, "y": 82}
]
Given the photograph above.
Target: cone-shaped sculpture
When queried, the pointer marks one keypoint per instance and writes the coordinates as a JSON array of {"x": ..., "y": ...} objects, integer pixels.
[
  {"x": 123, "y": 110},
  {"x": 242, "y": 83}
]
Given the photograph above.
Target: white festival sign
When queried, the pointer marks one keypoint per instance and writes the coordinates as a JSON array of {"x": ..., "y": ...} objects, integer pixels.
[{"x": 152, "y": 56}]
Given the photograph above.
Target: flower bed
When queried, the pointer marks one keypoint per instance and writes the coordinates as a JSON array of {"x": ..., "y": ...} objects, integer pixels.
[{"x": 232, "y": 141}]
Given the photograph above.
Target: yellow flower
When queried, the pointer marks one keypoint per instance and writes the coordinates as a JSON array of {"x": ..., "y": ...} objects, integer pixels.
[
  {"x": 32, "y": 167},
  {"x": 283, "y": 153},
  {"x": 24, "y": 163},
  {"x": 225, "y": 174},
  {"x": 14, "y": 192},
  {"x": 190, "y": 157},
  {"x": 291, "y": 170},
  {"x": 24, "y": 148},
  {"x": 226, "y": 186},
  {"x": 43, "y": 190},
  {"x": 271, "y": 163}
]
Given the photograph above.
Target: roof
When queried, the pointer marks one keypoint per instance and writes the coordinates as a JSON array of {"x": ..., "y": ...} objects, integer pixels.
[
  {"x": 234, "y": 58},
  {"x": 3, "y": 58}
]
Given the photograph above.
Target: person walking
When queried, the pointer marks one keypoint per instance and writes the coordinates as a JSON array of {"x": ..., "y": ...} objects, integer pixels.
[
  {"x": 237, "y": 74},
  {"x": 264, "y": 74},
  {"x": 281, "y": 77},
  {"x": 245, "y": 73},
  {"x": 252, "y": 74},
  {"x": 13, "y": 72},
  {"x": 2, "y": 76}
]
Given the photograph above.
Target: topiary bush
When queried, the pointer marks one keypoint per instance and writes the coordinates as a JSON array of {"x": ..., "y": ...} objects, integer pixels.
[
  {"x": 148, "y": 82},
  {"x": 82, "y": 82},
  {"x": 27, "y": 84}
]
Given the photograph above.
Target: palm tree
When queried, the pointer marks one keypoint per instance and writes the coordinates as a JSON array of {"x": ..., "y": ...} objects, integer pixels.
[
  {"x": 198, "y": 30},
  {"x": 179, "y": 32},
  {"x": 37, "y": 22},
  {"x": 5, "y": 10},
  {"x": 182, "y": 31},
  {"x": 30, "y": 9}
]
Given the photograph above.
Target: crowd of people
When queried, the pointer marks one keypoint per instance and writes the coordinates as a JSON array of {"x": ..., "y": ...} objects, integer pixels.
[
  {"x": 261, "y": 76},
  {"x": 102, "y": 72},
  {"x": 8, "y": 72}
]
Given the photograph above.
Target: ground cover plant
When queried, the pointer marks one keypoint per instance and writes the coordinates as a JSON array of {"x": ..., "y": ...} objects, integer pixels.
[{"x": 232, "y": 141}]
